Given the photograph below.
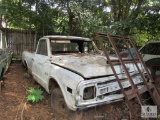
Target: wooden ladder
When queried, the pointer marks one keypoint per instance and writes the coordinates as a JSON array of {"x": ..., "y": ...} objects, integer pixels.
[{"x": 134, "y": 91}]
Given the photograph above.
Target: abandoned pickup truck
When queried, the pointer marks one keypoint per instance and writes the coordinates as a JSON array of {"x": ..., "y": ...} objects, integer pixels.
[{"x": 72, "y": 70}]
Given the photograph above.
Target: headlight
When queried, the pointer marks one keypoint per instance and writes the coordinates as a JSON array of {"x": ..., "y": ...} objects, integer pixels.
[{"x": 89, "y": 93}]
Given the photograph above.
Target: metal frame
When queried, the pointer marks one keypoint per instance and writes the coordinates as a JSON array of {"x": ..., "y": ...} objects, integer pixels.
[{"x": 134, "y": 92}]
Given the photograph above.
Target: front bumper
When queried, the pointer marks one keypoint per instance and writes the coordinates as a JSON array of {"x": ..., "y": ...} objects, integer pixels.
[
  {"x": 106, "y": 100},
  {"x": 106, "y": 91}
]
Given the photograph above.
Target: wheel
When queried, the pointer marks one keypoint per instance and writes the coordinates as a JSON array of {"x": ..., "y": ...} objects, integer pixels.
[
  {"x": 24, "y": 64},
  {"x": 153, "y": 62},
  {"x": 58, "y": 104},
  {"x": 1, "y": 84},
  {"x": 0, "y": 87}
]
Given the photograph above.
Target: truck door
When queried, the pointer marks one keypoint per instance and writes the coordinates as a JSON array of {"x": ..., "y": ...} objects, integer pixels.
[{"x": 41, "y": 67}]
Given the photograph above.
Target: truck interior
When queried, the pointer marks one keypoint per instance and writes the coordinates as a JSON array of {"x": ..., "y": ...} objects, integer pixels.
[{"x": 70, "y": 46}]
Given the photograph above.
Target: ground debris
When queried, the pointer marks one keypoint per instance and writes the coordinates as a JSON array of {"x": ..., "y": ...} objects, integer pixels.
[{"x": 14, "y": 105}]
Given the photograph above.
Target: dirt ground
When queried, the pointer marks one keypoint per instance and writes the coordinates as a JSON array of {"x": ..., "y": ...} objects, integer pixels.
[{"x": 13, "y": 104}]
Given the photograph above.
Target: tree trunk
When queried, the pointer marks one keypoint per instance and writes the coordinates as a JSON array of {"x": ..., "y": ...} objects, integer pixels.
[{"x": 72, "y": 21}]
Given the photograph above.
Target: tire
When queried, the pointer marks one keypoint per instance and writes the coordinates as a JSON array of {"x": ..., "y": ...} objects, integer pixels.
[
  {"x": 58, "y": 104},
  {"x": 2, "y": 73},
  {"x": 0, "y": 87},
  {"x": 24, "y": 65},
  {"x": 153, "y": 62}
]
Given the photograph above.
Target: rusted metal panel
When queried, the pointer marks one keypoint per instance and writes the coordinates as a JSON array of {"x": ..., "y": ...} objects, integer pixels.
[{"x": 90, "y": 65}]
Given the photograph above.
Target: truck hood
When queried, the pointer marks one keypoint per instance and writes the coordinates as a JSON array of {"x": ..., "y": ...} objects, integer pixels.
[{"x": 89, "y": 65}]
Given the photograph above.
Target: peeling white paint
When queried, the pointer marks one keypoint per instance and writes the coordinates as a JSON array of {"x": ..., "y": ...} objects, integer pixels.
[{"x": 79, "y": 71}]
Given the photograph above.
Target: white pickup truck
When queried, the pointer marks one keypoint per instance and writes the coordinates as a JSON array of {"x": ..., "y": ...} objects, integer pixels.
[{"x": 76, "y": 75}]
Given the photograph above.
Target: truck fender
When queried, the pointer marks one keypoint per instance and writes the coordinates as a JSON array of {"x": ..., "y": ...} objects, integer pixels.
[{"x": 57, "y": 84}]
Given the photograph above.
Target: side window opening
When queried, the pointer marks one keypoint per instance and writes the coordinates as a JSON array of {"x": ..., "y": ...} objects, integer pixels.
[{"x": 42, "y": 47}]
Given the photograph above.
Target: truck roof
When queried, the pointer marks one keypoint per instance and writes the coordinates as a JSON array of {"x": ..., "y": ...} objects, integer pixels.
[{"x": 66, "y": 37}]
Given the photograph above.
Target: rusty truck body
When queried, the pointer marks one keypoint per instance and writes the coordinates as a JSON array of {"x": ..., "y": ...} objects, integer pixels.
[{"x": 75, "y": 66}]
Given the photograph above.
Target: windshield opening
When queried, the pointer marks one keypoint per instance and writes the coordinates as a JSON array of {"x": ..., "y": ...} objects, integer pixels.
[{"x": 70, "y": 46}]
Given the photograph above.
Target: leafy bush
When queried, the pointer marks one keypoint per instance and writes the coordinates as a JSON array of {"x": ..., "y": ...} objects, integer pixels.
[
  {"x": 35, "y": 95},
  {"x": 158, "y": 116}
]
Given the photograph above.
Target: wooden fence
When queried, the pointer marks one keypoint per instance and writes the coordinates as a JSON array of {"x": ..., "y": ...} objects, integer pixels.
[{"x": 20, "y": 40}]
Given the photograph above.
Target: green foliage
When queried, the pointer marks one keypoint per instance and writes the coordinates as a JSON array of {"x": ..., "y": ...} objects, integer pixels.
[
  {"x": 26, "y": 75},
  {"x": 35, "y": 95},
  {"x": 158, "y": 116},
  {"x": 137, "y": 18}
]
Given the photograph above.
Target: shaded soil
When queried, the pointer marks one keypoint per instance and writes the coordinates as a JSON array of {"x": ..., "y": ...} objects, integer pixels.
[{"x": 13, "y": 104}]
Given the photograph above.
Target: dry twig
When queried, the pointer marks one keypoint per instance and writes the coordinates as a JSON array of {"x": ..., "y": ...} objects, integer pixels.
[
  {"x": 19, "y": 108},
  {"x": 20, "y": 105},
  {"x": 23, "y": 110}
]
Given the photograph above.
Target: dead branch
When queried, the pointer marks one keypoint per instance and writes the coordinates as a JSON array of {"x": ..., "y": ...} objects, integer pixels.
[
  {"x": 23, "y": 110},
  {"x": 20, "y": 104},
  {"x": 19, "y": 108}
]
